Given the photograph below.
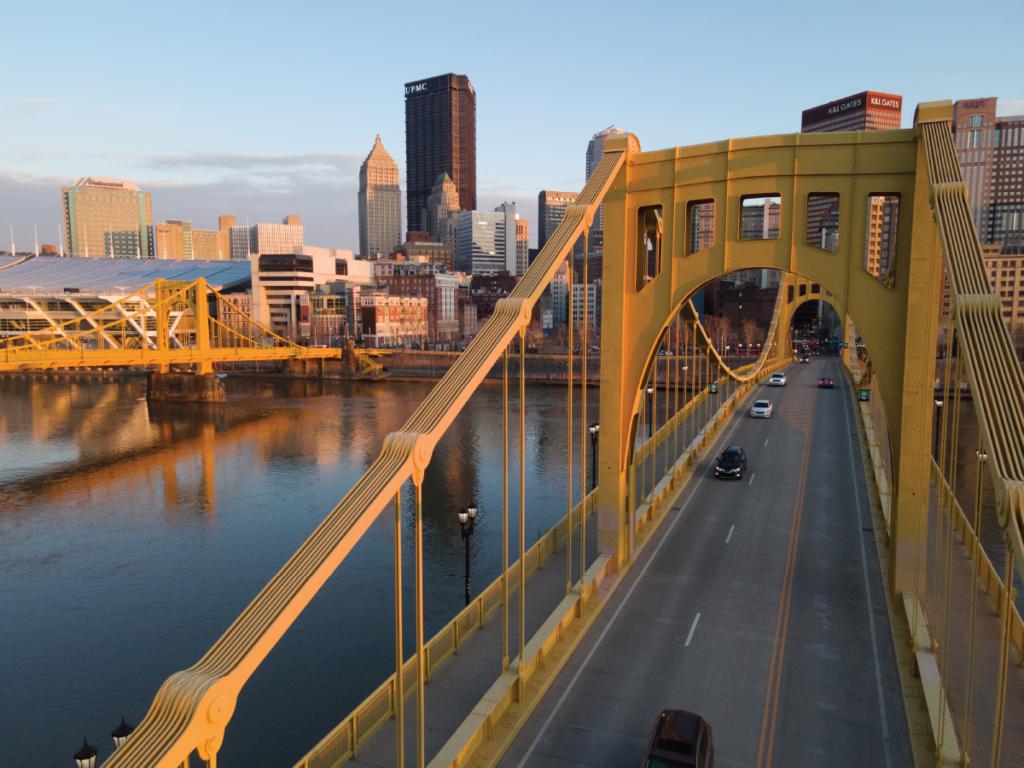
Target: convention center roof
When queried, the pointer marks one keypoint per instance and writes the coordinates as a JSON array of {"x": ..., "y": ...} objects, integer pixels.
[{"x": 55, "y": 274}]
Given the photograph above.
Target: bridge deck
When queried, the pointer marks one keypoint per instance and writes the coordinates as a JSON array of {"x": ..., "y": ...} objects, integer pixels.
[{"x": 788, "y": 593}]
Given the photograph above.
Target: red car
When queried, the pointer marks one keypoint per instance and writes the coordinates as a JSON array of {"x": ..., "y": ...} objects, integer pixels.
[{"x": 826, "y": 383}]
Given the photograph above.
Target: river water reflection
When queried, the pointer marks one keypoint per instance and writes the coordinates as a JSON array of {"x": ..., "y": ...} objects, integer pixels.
[{"x": 133, "y": 534}]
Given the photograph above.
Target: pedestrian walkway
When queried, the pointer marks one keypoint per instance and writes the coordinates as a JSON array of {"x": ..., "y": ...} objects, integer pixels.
[
  {"x": 456, "y": 688},
  {"x": 947, "y": 605}
]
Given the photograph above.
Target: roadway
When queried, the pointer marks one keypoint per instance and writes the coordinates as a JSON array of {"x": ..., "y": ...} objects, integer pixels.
[{"x": 758, "y": 605}]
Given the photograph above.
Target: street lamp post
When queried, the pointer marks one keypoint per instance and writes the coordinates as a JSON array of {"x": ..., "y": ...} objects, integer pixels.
[
  {"x": 86, "y": 756},
  {"x": 593, "y": 429},
  {"x": 938, "y": 420},
  {"x": 121, "y": 733},
  {"x": 467, "y": 518},
  {"x": 650, "y": 412}
]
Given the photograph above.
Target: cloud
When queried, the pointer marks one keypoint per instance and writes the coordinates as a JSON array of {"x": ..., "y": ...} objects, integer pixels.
[
  {"x": 324, "y": 198},
  {"x": 36, "y": 107},
  {"x": 1009, "y": 108},
  {"x": 235, "y": 161}
]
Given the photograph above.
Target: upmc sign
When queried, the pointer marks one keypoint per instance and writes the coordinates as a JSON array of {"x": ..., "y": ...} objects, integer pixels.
[
  {"x": 885, "y": 102},
  {"x": 416, "y": 88}
]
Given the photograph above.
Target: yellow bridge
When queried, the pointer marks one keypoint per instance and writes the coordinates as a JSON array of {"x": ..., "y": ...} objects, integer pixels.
[
  {"x": 166, "y": 323},
  {"x": 656, "y": 205}
]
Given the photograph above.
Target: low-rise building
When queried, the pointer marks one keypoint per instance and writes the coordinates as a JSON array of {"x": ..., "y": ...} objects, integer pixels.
[
  {"x": 393, "y": 321},
  {"x": 279, "y": 280}
]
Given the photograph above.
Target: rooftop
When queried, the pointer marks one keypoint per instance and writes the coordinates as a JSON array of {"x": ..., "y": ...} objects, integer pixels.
[{"x": 53, "y": 274}]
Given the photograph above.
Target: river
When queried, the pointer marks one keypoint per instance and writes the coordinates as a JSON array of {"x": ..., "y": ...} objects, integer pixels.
[{"x": 133, "y": 534}]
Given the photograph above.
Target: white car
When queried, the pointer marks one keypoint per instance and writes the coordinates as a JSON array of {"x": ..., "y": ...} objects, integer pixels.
[
  {"x": 777, "y": 380},
  {"x": 761, "y": 409}
]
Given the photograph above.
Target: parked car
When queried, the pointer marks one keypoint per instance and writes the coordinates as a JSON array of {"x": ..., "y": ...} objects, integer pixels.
[
  {"x": 731, "y": 463},
  {"x": 679, "y": 738},
  {"x": 761, "y": 409},
  {"x": 777, "y": 380},
  {"x": 826, "y": 383}
]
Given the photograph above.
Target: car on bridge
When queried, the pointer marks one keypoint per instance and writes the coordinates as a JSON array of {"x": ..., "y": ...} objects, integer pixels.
[
  {"x": 679, "y": 738},
  {"x": 825, "y": 383},
  {"x": 761, "y": 409},
  {"x": 805, "y": 359},
  {"x": 777, "y": 380},
  {"x": 731, "y": 463}
]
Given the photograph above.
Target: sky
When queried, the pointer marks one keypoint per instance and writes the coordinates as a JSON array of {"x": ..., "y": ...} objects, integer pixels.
[{"x": 260, "y": 110}]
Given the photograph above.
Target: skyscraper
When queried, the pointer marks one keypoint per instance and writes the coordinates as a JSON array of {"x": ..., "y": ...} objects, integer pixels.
[
  {"x": 522, "y": 246},
  {"x": 551, "y": 207},
  {"x": 108, "y": 217},
  {"x": 380, "y": 204},
  {"x": 443, "y": 201},
  {"x": 595, "y": 151},
  {"x": 440, "y": 137},
  {"x": 487, "y": 241},
  {"x": 867, "y": 111},
  {"x": 991, "y": 154}
]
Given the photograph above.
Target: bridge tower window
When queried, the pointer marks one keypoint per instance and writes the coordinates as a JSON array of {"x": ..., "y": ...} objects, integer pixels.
[
  {"x": 700, "y": 225},
  {"x": 649, "y": 228},
  {"x": 823, "y": 221},
  {"x": 760, "y": 217},
  {"x": 880, "y": 242}
]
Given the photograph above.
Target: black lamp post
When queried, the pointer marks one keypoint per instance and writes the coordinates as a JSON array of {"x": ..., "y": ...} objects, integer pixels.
[
  {"x": 86, "y": 756},
  {"x": 467, "y": 515},
  {"x": 938, "y": 421},
  {"x": 121, "y": 733},
  {"x": 593, "y": 429},
  {"x": 650, "y": 412}
]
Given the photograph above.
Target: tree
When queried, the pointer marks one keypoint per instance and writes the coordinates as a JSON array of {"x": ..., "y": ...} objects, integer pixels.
[
  {"x": 751, "y": 333},
  {"x": 718, "y": 329}
]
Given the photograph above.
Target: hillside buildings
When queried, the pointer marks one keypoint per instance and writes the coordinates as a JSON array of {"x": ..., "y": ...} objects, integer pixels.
[
  {"x": 440, "y": 137},
  {"x": 107, "y": 217},
  {"x": 380, "y": 204}
]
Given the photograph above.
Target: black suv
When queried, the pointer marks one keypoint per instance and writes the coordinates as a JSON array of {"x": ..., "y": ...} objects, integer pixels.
[
  {"x": 680, "y": 739},
  {"x": 731, "y": 463}
]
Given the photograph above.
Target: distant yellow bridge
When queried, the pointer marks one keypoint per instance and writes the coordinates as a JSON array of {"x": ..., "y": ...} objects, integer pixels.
[{"x": 166, "y": 323}]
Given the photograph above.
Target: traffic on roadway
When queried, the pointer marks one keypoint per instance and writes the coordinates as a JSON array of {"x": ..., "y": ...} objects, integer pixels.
[{"x": 757, "y": 606}]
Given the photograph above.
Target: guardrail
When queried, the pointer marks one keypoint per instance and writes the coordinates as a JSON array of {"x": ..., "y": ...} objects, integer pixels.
[{"x": 994, "y": 586}]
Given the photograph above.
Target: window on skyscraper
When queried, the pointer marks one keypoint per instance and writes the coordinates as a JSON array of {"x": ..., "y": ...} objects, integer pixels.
[
  {"x": 700, "y": 218},
  {"x": 760, "y": 217},
  {"x": 823, "y": 221}
]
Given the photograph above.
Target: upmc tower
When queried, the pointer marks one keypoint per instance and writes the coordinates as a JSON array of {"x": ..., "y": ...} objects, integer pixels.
[
  {"x": 868, "y": 111},
  {"x": 440, "y": 137}
]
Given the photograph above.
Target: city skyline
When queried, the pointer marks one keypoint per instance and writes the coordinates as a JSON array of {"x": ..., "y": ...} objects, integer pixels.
[{"x": 130, "y": 126}]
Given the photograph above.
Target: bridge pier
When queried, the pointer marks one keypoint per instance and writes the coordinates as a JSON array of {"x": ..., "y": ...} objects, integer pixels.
[
  {"x": 184, "y": 387},
  {"x": 303, "y": 369}
]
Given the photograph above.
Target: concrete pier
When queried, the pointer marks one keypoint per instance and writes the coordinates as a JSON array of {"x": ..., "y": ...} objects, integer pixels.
[{"x": 184, "y": 387}]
